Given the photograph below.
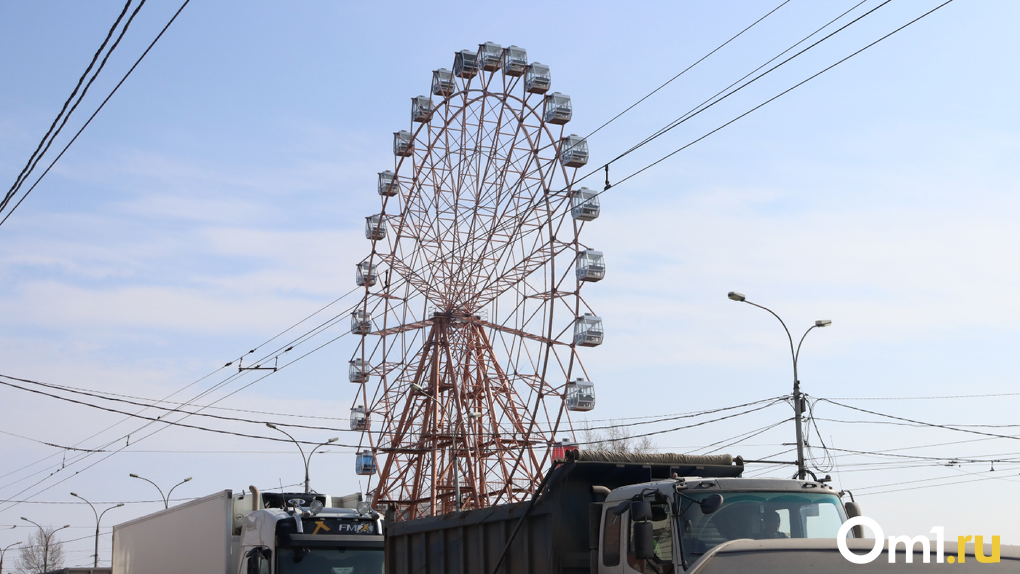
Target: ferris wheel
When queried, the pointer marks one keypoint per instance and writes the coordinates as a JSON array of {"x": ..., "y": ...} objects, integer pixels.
[{"x": 473, "y": 315}]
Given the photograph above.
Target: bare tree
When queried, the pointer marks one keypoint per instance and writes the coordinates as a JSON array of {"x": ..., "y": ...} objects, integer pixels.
[
  {"x": 33, "y": 556},
  {"x": 614, "y": 438}
]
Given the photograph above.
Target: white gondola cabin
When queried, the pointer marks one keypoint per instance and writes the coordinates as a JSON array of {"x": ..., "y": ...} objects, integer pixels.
[
  {"x": 364, "y": 464},
  {"x": 573, "y": 151},
  {"x": 580, "y": 395},
  {"x": 538, "y": 79},
  {"x": 442, "y": 82},
  {"x": 591, "y": 266},
  {"x": 465, "y": 64},
  {"x": 389, "y": 184},
  {"x": 557, "y": 108},
  {"x": 365, "y": 274},
  {"x": 584, "y": 205},
  {"x": 588, "y": 331},
  {"x": 421, "y": 109},
  {"x": 375, "y": 227},
  {"x": 359, "y": 419},
  {"x": 515, "y": 61},
  {"x": 489, "y": 56},
  {"x": 361, "y": 322},
  {"x": 358, "y": 372},
  {"x": 402, "y": 143}
]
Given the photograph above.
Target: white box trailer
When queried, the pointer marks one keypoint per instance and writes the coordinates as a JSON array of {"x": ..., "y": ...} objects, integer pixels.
[
  {"x": 194, "y": 537},
  {"x": 269, "y": 533}
]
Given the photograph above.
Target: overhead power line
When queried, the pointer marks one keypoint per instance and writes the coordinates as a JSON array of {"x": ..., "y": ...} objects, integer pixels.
[
  {"x": 688, "y": 68},
  {"x": 101, "y": 106},
  {"x": 921, "y": 423},
  {"x": 44, "y": 143}
]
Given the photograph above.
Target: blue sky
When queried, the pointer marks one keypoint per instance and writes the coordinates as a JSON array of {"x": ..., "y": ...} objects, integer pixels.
[{"x": 219, "y": 198}]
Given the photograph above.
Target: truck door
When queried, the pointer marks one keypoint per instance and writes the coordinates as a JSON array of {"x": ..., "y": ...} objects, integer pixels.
[
  {"x": 612, "y": 542},
  {"x": 662, "y": 537}
]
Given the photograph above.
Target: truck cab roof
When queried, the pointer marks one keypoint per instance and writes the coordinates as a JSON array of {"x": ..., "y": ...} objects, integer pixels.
[{"x": 692, "y": 484}]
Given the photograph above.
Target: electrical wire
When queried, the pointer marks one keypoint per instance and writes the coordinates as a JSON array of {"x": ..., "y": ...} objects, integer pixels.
[
  {"x": 103, "y": 104},
  {"x": 687, "y": 69},
  {"x": 53, "y": 130}
]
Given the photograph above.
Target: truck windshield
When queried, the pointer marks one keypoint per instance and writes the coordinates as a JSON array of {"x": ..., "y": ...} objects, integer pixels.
[
  {"x": 758, "y": 515},
  {"x": 317, "y": 560}
]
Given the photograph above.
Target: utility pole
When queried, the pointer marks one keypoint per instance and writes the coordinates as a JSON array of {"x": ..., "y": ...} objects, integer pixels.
[
  {"x": 46, "y": 537},
  {"x": 795, "y": 354},
  {"x": 4, "y": 551},
  {"x": 306, "y": 459},
  {"x": 99, "y": 518}
]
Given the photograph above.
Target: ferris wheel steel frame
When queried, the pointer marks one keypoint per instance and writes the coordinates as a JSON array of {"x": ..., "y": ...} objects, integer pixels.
[{"x": 471, "y": 355}]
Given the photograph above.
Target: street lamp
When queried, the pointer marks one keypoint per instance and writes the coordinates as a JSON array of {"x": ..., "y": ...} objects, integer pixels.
[
  {"x": 99, "y": 518},
  {"x": 4, "y": 551},
  {"x": 166, "y": 498},
  {"x": 795, "y": 354},
  {"x": 46, "y": 546},
  {"x": 307, "y": 459}
]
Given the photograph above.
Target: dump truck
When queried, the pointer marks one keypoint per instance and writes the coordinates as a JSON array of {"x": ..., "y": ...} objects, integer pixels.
[
  {"x": 253, "y": 533},
  {"x": 606, "y": 513}
]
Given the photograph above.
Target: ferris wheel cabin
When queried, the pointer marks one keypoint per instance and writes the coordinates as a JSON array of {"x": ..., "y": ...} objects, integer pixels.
[
  {"x": 557, "y": 108},
  {"x": 375, "y": 227},
  {"x": 421, "y": 109},
  {"x": 515, "y": 61},
  {"x": 591, "y": 266},
  {"x": 574, "y": 151},
  {"x": 465, "y": 64},
  {"x": 358, "y": 373},
  {"x": 364, "y": 464},
  {"x": 580, "y": 395},
  {"x": 584, "y": 205},
  {"x": 402, "y": 143},
  {"x": 489, "y": 56},
  {"x": 442, "y": 82},
  {"x": 538, "y": 79},
  {"x": 365, "y": 274},
  {"x": 359, "y": 419},
  {"x": 361, "y": 322},
  {"x": 588, "y": 331},
  {"x": 389, "y": 184}
]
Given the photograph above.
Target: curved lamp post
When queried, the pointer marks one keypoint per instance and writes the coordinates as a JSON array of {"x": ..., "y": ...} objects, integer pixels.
[
  {"x": 306, "y": 459},
  {"x": 99, "y": 518},
  {"x": 46, "y": 546},
  {"x": 166, "y": 498},
  {"x": 795, "y": 354},
  {"x": 4, "y": 551}
]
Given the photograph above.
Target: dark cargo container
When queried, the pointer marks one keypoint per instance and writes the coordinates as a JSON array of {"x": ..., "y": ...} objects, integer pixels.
[{"x": 554, "y": 537}]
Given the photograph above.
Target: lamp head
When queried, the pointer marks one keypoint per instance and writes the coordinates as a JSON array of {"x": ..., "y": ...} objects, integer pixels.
[
  {"x": 65, "y": 526},
  {"x": 736, "y": 296},
  {"x": 334, "y": 439},
  {"x": 119, "y": 505},
  {"x": 133, "y": 475},
  {"x": 823, "y": 323},
  {"x": 271, "y": 425},
  {"x": 75, "y": 494},
  {"x": 25, "y": 519},
  {"x": 417, "y": 388}
]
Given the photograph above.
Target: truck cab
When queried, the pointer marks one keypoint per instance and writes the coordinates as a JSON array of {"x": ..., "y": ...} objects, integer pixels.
[
  {"x": 665, "y": 526},
  {"x": 304, "y": 536}
]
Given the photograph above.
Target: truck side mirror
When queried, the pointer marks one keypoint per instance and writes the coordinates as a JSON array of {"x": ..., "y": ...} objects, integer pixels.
[
  {"x": 853, "y": 510},
  {"x": 644, "y": 548},
  {"x": 640, "y": 510},
  {"x": 711, "y": 503}
]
